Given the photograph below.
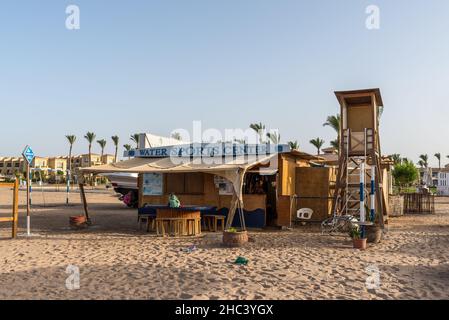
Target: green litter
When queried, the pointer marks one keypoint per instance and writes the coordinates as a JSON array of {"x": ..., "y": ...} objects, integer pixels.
[{"x": 241, "y": 261}]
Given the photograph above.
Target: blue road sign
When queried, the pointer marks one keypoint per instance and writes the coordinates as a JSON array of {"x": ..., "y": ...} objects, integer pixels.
[{"x": 28, "y": 154}]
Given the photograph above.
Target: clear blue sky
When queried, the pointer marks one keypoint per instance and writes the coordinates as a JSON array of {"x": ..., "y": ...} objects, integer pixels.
[{"x": 153, "y": 66}]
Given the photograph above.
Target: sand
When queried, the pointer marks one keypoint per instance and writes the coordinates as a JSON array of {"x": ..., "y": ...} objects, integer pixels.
[{"x": 116, "y": 261}]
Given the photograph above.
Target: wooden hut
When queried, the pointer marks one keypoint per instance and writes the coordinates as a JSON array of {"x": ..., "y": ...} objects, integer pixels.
[{"x": 263, "y": 186}]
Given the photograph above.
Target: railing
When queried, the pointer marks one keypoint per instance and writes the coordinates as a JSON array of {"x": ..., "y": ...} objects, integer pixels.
[
  {"x": 358, "y": 142},
  {"x": 419, "y": 203}
]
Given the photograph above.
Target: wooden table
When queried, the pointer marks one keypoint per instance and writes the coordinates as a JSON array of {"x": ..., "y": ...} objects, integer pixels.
[{"x": 184, "y": 221}]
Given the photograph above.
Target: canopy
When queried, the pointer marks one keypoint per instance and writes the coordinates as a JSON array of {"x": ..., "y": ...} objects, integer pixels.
[{"x": 233, "y": 169}]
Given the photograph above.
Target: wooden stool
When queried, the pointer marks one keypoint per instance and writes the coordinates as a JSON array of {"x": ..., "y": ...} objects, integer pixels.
[
  {"x": 149, "y": 219},
  {"x": 194, "y": 226},
  {"x": 211, "y": 222},
  {"x": 174, "y": 226}
]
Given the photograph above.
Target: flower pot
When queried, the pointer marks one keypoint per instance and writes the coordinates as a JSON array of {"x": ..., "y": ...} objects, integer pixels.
[
  {"x": 359, "y": 244},
  {"x": 373, "y": 234},
  {"x": 235, "y": 239},
  {"x": 78, "y": 222}
]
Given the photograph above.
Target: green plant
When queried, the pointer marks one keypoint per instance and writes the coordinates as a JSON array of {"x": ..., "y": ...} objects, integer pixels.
[
  {"x": 355, "y": 233},
  {"x": 90, "y": 137},
  {"x": 259, "y": 128},
  {"x": 334, "y": 122},
  {"x": 405, "y": 174},
  {"x": 177, "y": 136},
  {"x": 116, "y": 141},
  {"x": 294, "y": 145},
  {"x": 135, "y": 138},
  {"x": 102, "y": 144},
  {"x": 232, "y": 230},
  {"x": 274, "y": 137},
  {"x": 424, "y": 160},
  {"x": 317, "y": 143}
]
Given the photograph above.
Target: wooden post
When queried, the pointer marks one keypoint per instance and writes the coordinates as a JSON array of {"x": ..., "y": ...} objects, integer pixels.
[
  {"x": 84, "y": 201},
  {"x": 28, "y": 200},
  {"x": 15, "y": 211}
]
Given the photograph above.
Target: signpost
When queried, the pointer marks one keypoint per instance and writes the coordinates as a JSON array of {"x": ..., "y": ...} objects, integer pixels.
[{"x": 28, "y": 155}]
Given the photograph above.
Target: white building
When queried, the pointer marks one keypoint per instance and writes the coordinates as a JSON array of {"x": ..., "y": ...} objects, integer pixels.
[{"x": 443, "y": 183}]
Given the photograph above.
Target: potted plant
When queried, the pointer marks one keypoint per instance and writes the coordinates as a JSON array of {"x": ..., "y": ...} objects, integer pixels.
[
  {"x": 233, "y": 237},
  {"x": 357, "y": 240},
  {"x": 78, "y": 222}
]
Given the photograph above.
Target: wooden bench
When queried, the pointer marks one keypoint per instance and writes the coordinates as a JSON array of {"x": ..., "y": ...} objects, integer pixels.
[
  {"x": 211, "y": 222},
  {"x": 149, "y": 219}
]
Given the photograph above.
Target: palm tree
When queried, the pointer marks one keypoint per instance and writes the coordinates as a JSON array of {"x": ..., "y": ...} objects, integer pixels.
[
  {"x": 317, "y": 143},
  {"x": 425, "y": 160},
  {"x": 135, "y": 138},
  {"x": 335, "y": 144},
  {"x": 102, "y": 144},
  {"x": 396, "y": 157},
  {"x": 421, "y": 163},
  {"x": 294, "y": 145},
  {"x": 177, "y": 136},
  {"x": 90, "y": 137},
  {"x": 275, "y": 137},
  {"x": 438, "y": 156},
  {"x": 334, "y": 122},
  {"x": 116, "y": 141},
  {"x": 71, "y": 139},
  {"x": 127, "y": 148},
  {"x": 259, "y": 128}
]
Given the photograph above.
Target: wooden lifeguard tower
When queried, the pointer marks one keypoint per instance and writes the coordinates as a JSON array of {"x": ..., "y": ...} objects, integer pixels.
[{"x": 359, "y": 182}]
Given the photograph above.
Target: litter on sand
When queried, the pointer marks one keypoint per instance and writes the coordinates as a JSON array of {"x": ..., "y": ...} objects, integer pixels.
[
  {"x": 189, "y": 249},
  {"x": 241, "y": 261}
]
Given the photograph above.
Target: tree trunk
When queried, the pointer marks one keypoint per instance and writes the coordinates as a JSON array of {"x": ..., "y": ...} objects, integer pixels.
[{"x": 70, "y": 165}]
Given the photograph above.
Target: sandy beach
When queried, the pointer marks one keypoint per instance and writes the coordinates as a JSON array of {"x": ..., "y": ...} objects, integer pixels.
[{"x": 116, "y": 261}]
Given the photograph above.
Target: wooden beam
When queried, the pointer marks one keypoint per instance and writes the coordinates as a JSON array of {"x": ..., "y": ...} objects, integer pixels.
[
  {"x": 15, "y": 210},
  {"x": 6, "y": 219},
  {"x": 84, "y": 201},
  {"x": 7, "y": 185}
]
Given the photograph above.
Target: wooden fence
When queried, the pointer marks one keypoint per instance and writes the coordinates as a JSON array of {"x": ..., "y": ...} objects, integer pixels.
[
  {"x": 419, "y": 203},
  {"x": 15, "y": 209}
]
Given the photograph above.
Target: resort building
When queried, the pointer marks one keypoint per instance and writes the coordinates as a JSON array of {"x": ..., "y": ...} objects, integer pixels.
[
  {"x": 107, "y": 159},
  {"x": 57, "y": 168},
  {"x": 82, "y": 161},
  {"x": 9, "y": 166},
  {"x": 49, "y": 167},
  {"x": 429, "y": 176},
  {"x": 443, "y": 182}
]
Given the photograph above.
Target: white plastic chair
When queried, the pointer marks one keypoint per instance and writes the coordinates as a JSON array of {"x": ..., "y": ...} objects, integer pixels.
[{"x": 304, "y": 214}]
